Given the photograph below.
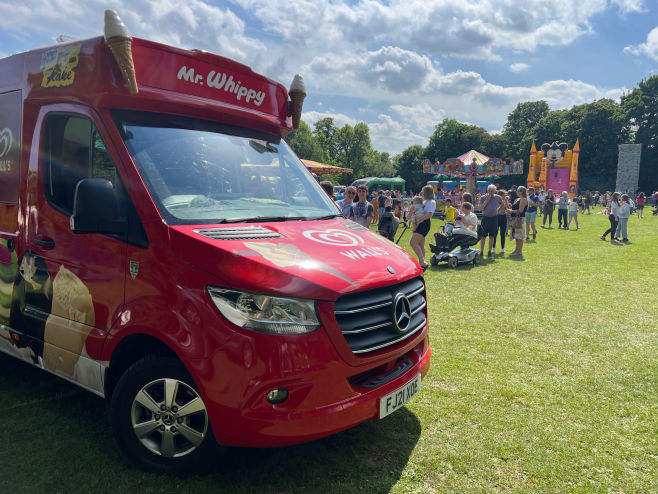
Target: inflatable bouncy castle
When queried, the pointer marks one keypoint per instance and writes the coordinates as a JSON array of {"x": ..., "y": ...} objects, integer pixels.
[{"x": 554, "y": 167}]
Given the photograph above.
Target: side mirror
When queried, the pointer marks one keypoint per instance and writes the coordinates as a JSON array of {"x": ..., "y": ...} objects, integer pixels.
[{"x": 96, "y": 208}]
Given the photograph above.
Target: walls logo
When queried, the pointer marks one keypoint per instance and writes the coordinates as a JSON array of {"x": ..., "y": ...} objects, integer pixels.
[
  {"x": 338, "y": 238},
  {"x": 6, "y": 140},
  {"x": 342, "y": 238}
]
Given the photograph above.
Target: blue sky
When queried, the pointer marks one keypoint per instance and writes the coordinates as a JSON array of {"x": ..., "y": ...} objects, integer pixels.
[{"x": 400, "y": 66}]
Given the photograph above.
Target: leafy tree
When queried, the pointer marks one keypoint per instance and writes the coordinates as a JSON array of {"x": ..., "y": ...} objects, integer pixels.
[
  {"x": 548, "y": 129},
  {"x": 598, "y": 127},
  {"x": 409, "y": 166},
  {"x": 376, "y": 164},
  {"x": 452, "y": 138},
  {"x": 325, "y": 133},
  {"x": 352, "y": 144},
  {"x": 640, "y": 110},
  {"x": 519, "y": 129},
  {"x": 305, "y": 144},
  {"x": 493, "y": 145}
]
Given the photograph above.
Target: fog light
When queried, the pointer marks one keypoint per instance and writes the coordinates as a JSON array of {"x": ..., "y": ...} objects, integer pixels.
[{"x": 277, "y": 395}]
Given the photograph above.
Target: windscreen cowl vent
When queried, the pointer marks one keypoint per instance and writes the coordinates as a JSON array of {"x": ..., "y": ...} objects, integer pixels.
[{"x": 238, "y": 233}]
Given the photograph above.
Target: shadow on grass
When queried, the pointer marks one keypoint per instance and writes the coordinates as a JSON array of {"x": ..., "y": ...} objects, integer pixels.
[
  {"x": 64, "y": 430},
  {"x": 443, "y": 266}
]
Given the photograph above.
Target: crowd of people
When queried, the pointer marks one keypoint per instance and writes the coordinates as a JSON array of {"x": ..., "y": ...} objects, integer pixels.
[{"x": 510, "y": 213}]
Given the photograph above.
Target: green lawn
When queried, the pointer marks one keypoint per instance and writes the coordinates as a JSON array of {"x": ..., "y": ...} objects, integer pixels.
[{"x": 544, "y": 378}]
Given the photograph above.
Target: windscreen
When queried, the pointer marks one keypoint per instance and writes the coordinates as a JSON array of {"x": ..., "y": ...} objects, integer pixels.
[{"x": 200, "y": 172}]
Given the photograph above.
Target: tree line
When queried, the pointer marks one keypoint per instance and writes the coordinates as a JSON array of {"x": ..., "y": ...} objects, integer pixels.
[{"x": 600, "y": 127}]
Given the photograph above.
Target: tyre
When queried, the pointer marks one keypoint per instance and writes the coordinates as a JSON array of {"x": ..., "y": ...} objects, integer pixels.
[
  {"x": 477, "y": 259},
  {"x": 433, "y": 260},
  {"x": 160, "y": 420},
  {"x": 452, "y": 262}
]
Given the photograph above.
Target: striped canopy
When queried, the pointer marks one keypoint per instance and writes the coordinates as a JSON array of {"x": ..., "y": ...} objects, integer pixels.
[
  {"x": 323, "y": 169},
  {"x": 467, "y": 158}
]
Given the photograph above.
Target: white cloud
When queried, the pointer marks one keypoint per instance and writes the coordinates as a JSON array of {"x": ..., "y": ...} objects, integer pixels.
[
  {"x": 388, "y": 69},
  {"x": 630, "y": 6},
  {"x": 383, "y": 56},
  {"x": 422, "y": 117},
  {"x": 649, "y": 48},
  {"x": 392, "y": 136},
  {"x": 340, "y": 119},
  {"x": 519, "y": 67},
  {"x": 193, "y": 24},
  {"x": 469, "y": 28}
]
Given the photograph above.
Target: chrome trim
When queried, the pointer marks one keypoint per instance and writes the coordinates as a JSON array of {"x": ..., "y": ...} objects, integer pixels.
[
  {"x": 369, "y": 328},
  {"x": 406, "y": 335},
  {"x": 363, "y": 309},
  {"x": 372, "y": 307},
  {"x": 420, "y": 307},
  {"x": 413, "y": 294}
]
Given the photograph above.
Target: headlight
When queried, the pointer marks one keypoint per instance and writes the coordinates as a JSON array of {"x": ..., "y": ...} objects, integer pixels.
[{"x": 264, "y": 313}]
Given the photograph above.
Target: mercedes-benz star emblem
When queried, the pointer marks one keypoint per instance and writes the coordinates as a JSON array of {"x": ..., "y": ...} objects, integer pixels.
[{"x": 401, "y": 312}]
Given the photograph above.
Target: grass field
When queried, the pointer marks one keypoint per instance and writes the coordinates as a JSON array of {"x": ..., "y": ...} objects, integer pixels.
[{"x": 544, "y": 378}]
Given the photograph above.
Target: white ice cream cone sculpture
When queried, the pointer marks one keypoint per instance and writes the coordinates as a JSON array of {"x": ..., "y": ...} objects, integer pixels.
[
  {"x": 297, "y": 93},
  {"x": 120, "y": 43}
]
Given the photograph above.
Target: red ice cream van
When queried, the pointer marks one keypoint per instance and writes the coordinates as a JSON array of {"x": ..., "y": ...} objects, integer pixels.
[{"x": 163, "y": 247}]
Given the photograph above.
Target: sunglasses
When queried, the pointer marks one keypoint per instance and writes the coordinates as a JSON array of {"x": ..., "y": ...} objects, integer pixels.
[{"x": 350, "y": 192}]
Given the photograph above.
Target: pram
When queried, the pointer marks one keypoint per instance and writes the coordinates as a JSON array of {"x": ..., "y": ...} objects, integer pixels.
[{"x": 453, "y": 245}]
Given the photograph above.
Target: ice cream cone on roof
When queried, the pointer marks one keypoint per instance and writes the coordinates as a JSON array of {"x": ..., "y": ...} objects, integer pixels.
[
  {"x": 297, "y": 94},
  {"x": 120, "y": 43}
]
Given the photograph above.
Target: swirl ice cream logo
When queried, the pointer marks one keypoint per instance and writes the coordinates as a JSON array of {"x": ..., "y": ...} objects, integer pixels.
[
  {"x": 6, "y": 140},
  {"x": 339, "y": 238}
]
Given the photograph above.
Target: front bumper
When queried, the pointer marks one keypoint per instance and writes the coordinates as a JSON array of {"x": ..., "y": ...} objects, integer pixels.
[{"x": 323, "y": 399}]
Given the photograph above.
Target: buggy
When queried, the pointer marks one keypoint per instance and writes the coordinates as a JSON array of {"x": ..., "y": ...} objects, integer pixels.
[{"x": 453, "y": 245}]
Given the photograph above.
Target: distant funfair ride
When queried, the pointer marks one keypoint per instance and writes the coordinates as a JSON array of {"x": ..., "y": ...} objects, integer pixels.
[{"x": 472, "y": 166}]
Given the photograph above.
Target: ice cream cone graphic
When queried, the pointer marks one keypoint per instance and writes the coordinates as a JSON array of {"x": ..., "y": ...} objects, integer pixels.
[
  {"x": 297, "y": 94},
  {"x": 70, "y": 322},
  {"x": 120, "y": 43},
  {"x": 287, "y": 255}
]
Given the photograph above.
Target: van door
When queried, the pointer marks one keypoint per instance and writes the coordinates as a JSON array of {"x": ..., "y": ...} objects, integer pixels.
[
  {"x": 10, "y": 186},
  {"x": 84, "y": 273}
]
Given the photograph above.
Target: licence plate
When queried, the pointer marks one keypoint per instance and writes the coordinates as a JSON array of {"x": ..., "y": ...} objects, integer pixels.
[{"x": 398, "y": 398}]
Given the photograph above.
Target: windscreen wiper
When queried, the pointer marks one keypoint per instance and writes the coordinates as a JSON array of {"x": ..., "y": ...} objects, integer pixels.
[{"x": 328, "y": 217}]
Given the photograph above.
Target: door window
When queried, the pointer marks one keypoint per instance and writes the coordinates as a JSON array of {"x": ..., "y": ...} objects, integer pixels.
[{"x": 73, "y": 150}]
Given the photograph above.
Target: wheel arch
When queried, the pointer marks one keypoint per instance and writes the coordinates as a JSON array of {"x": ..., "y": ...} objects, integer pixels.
[{"x": 129, "y": 350}]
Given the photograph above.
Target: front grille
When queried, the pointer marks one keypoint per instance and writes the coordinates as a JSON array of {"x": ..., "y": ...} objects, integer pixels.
[
  {"x": 367, "y": 321},
  {"x": 238, "y": 233}
]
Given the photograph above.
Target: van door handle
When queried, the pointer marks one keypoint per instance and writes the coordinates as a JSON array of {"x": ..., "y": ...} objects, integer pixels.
[{"x": 45, "y": 242}]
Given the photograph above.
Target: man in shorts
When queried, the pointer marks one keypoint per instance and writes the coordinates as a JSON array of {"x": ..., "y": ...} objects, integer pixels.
[
  {"x": 531, "y": 214},
  {"x": 489, "y": 204}
]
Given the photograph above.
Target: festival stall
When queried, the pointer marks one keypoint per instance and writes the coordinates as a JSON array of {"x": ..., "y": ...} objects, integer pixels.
[{"x": 324, "y": 169}]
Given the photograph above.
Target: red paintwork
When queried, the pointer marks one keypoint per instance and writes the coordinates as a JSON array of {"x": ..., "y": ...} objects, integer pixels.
[{"x": 233, "y": 368}]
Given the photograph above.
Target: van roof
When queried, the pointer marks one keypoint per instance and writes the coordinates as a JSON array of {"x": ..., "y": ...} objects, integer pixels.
[{"x": 85, "y": 71}]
